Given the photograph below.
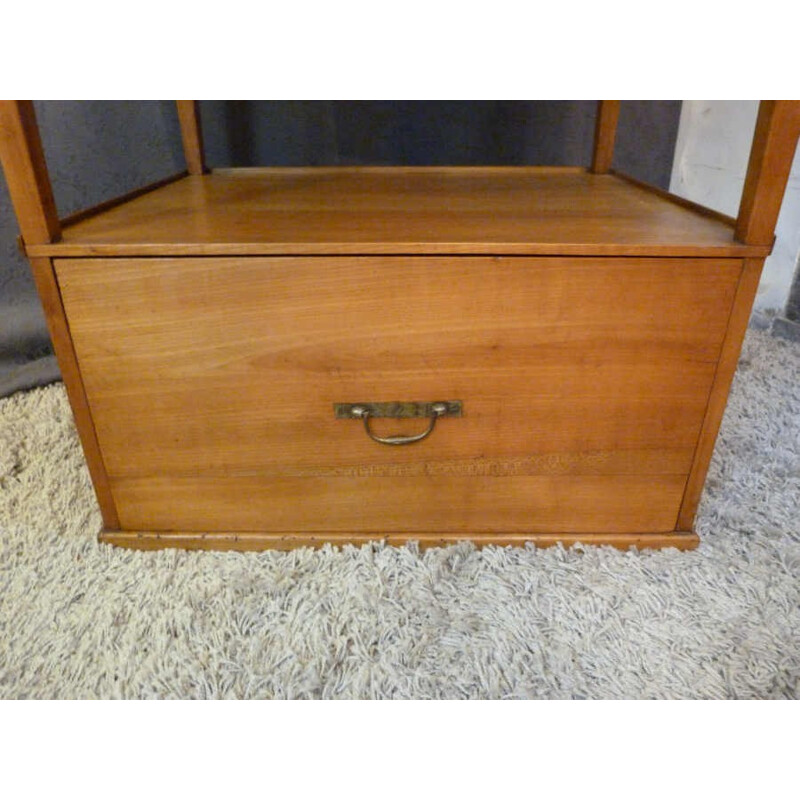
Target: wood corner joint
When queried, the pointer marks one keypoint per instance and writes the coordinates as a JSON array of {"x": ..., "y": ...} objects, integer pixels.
[{"x": 23, "y": 247}]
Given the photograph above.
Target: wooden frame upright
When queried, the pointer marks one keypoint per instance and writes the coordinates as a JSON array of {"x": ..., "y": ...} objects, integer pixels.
[{"x": 22, "y": 158}]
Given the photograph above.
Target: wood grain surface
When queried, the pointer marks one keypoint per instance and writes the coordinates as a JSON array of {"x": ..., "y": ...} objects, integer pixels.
[
  {"x": 58, "y": 328},
  {"x": 466, "y": 504},
  {"x": 584, "y": 383},
  {"x": 726, "y": 369},
  {"x": 387, "y": 210},
  {"x": 150, "y": 540},
  {"x": 605, "y": 134},
  {"x": 192, "y": 135}
]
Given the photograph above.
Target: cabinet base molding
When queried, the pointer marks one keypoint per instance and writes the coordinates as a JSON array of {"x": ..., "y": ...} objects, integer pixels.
[{"x": 150, "y": 540}]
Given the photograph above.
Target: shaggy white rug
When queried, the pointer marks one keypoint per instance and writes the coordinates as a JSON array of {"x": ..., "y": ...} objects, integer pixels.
[{"x": 84, "y": 620}]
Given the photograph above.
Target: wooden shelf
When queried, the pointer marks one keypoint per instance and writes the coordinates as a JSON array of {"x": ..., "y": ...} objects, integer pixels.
[{"x": 401, "y": 210}]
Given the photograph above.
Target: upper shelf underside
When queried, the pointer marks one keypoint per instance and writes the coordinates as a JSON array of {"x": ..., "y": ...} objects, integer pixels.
[{"x": 422, "y": 210}]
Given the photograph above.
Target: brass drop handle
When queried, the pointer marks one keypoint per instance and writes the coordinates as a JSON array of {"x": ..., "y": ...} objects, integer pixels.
[
  {"x": 367, "y": 411},
  {"x": 437, "y": 408}
]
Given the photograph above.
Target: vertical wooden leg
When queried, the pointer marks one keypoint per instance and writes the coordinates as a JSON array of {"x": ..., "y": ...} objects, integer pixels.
[
  {"x": 45, "y": 278},
  {"x": 726, "y": 368},
  {"x": 191, "y": 131},
  {"x": 774, "y": 145},
  {"x": 22, "y": 157},
  {"x": 24, "y": 166},
  {"x": 605, "y": 133}
]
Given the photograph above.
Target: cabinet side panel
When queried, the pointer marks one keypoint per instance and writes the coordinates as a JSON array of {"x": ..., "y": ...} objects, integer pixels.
[
  {"x": 58, "y": 327},
  {"x": 726, "y": 368}
]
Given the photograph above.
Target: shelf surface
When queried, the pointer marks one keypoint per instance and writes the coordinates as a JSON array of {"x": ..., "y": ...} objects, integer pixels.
[{"x": 400, "y": 210}]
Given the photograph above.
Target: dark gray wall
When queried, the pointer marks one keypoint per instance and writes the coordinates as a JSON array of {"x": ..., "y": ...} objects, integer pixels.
[
  {"x": 96, "y": 150},
  {"x": 413, "y": 132}
]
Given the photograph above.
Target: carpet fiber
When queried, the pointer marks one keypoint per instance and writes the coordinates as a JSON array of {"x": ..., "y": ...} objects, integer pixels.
[{"x": 83, "y": 620}]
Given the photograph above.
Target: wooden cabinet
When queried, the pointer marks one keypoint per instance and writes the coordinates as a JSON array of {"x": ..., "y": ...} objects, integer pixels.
[{"x": 207, "y": 329}]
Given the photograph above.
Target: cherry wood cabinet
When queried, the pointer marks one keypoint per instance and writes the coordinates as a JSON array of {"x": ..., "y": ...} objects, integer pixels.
[{"x": 277, "y": 357}]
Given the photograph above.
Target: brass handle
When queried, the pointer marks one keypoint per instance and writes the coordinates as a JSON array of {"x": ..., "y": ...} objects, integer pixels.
[
  {"x": 366, "y": 411},
  {"x": 437, "y": 409}
]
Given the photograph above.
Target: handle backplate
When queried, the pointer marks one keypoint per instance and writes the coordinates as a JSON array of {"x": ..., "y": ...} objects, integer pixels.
[{"x": 397, "y": 409}]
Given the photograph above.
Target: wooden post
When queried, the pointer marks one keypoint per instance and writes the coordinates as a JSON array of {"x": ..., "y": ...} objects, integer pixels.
[
  {"x": 31, "y": 195},
  {"x": 191, "y": 131},
  {"x": 23, "y": 163},
  {"x": 720, "y": 388},
  {"x": 605, "y": 133},
  {"x": 774, "y": 143}
]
